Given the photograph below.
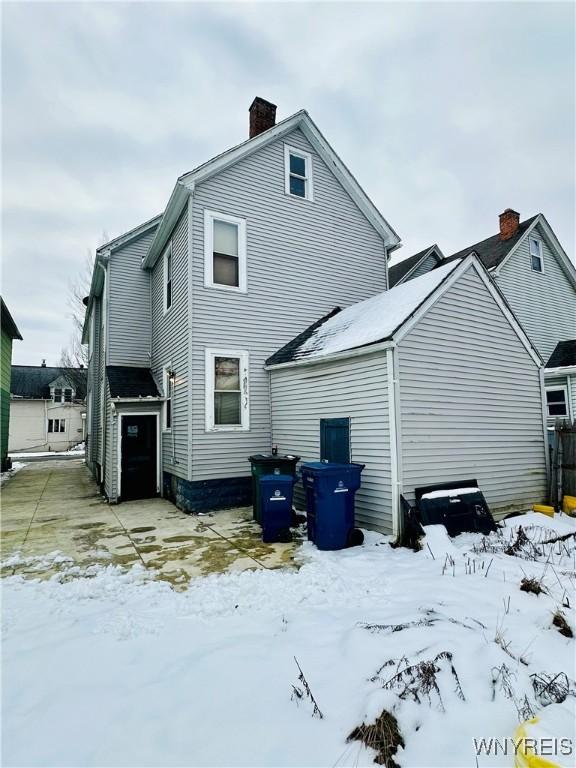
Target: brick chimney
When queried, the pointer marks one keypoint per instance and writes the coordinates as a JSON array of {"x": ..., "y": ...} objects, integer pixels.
[
  {"x": 43, "y": 364},
  {"x": 509, "y": 223},
  {"x": 262, "y": 116}
]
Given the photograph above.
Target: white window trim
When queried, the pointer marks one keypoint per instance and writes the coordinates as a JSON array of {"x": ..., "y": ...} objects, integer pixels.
[
  {"x": 168, "y": 393},
  {"x": 209, "y": 218},
  {"x": 558, "y": 388},
  {"x": 309, "y": 184},
  {"x": 167, "y": 252},
  {"x": 244, "y": 357},
  {"x": 533, "y": 239}
]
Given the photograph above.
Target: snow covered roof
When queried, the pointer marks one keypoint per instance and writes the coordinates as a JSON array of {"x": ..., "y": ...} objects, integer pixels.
[{"x": 370, "y": 321}]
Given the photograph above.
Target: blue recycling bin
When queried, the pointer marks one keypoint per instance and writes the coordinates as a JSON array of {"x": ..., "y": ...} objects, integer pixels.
[
  {"x": 330, "y": 490},
  {"x": 276, "y": 506}
]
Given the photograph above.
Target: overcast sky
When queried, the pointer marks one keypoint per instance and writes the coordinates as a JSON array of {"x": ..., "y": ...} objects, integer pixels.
[{"x": 445, "y": 113}]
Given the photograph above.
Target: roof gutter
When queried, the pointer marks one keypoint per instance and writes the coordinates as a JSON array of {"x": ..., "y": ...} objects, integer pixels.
[
  {"x": 96, "y": 285},
  {"x": 561, "y": 370},
  {"x": 367, "y": 349}
]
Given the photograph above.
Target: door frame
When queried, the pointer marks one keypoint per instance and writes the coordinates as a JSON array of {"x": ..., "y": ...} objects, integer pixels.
[{"x": 156, "y": 415}]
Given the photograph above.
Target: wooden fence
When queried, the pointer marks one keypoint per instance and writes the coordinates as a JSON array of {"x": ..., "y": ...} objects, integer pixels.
[{"x": 563, "y": 464}]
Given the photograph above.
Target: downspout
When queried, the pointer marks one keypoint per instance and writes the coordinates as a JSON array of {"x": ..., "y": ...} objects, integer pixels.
[
  {"x": 102, "y": 262},
  {"x": 545, "y": 426},
  {"x": 394, "y": 431},
  {"x": 189, "y": 382}
]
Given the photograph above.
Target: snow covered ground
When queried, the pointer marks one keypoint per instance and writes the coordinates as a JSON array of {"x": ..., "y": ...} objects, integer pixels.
[
  {"x": 117, "y": 669},
  {"x": 78, "y": 451},
  {"x": 16, "y": 467}
]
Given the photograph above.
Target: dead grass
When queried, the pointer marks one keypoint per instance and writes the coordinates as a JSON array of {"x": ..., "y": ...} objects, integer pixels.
[
  {"x": 383, "y": 737},
  {"x": 559, "y": 621},
  {"x": 531, "y": 585}
]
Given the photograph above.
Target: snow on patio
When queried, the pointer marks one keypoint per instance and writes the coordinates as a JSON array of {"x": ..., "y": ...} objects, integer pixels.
[{"x": 118, "y": 669}]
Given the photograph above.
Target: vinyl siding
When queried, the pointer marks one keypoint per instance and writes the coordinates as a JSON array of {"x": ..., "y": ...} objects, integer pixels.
[
  {"x": 303, "y": 259},
  {"x": 129, "y": 316},
  {"x": 5, "y": 375},
  {"x": 545, "y": 303},
  {"x": 95, "y": 379},
  {"x": 170, "y": 345},
  {"x": 425, "y": 266},
  {"x": 470, "y": 401},
  {"x": 357, "y": 389}
]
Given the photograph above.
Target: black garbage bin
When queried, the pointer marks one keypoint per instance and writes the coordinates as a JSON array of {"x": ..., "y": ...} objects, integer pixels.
[
  {"x": 330, "y": 490},
  {"x": 268, "y": 464}
]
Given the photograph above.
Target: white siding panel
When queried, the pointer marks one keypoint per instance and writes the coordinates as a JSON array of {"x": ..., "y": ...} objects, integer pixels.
[
  {"x": 356, "y": 389},
  {"x": 471, "y": 401},
  {"x": 129, "y": 331},
  {"x": 303, "y": 259},
  {"x": 545, "y": 303},
  {"x": 425, "y": 266},
  {"x": 170, "y": 339}
]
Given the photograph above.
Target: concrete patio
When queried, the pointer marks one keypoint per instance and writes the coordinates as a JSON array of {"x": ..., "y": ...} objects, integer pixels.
[{"x": 54, "y": 506}]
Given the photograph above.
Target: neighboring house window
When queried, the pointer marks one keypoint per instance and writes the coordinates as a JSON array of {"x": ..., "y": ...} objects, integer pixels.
[
  {"x": 67, "y": 395},
  {"x": 168, "y": 278},
  {"x": 298, "y": 173},
  {"x": 168, "y": 392},
  {"x": 227, "y": 406},
  {"x": 224, "y": 251},
  {"x": 536, "y": 255},
  {"x": 56, "y": 425},
  {"x": 557, "y": 401},
  {"x": 58, "y": 395}
]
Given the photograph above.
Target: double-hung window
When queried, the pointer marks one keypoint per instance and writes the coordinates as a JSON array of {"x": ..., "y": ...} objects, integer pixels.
[
  {"x": 224, "y": 251},
  {"x": 227, "y": 393},
  {"x": 168, "y": 278},
  {"x": 168, "y": 394},
  {"x": 57, "y": 395},
  {"x": 557, "y": 401},
  {"x": 298, "y": 173},
  {"x": 67, "y": 395},
  {"x": 536, "y": 259}
]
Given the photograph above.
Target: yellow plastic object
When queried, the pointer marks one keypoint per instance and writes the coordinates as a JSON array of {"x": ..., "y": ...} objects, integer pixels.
[
  {"x": 569, "y": 505},
  {"x": 525, "y": 757},
  {"x": 544, "y": 509}
]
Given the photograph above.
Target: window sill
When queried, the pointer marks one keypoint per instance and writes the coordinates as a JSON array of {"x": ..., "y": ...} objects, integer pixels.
[
  {"x": 229, "y": 288},
  {"x": 299, "y": 197},
  {"x": 210, "y": 430}
]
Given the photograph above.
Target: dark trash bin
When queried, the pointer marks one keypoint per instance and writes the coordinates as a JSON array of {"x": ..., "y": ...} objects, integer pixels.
[
  {"x": 459, "y": 506},
  {"x": 268, "y": 464},
  {"x": 330, "y": 489},
  {"x": 276, "y": 507}
]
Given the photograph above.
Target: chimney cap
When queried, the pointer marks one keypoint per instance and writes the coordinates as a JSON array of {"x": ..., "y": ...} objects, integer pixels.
[
  {"x": 508, "y": 211},
  {"x": 259, "y": 101}
]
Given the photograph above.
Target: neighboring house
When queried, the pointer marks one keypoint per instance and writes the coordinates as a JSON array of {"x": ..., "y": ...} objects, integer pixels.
[
  {"x": 538, "y": 281},
  {"x": 414, "y": 266},
  {"x": 9, "y": 333},
  {"x": 412, "y": 385},
  {"x": 184, "y": 310},
  {"x": 47, "y": 408}
]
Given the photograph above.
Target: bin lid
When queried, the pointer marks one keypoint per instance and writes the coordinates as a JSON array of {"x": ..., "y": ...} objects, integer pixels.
[
  {"x": 331, "y": 467},
  {"x": 277, "y": 479},
  {"x": 269, "y": 458}
]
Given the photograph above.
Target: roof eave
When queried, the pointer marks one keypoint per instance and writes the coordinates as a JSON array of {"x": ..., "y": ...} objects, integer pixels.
[
  {"x": 367, "y": 349},
  {"x": 176, "y": 203}
]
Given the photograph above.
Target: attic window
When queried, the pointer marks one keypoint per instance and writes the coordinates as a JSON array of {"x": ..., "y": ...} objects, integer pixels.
[
  {"x": 298, "y": 173},
  {"x": 536, "y": 259}
]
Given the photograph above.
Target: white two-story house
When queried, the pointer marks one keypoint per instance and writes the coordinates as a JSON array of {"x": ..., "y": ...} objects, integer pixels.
[{"x": 184, "y": 310}]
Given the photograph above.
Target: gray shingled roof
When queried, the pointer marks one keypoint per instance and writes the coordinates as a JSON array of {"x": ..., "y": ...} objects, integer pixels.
[
  {"x": 126, "y": 381},
  {"x": 563, "y": 355},
  {"x": 401, "y": 269},
  {"x": 33, "y": 381},
  {"x": 493, "y": 250}
]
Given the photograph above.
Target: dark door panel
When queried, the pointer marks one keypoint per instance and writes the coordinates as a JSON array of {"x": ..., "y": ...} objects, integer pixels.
[
  {"x": 139, "y": 468},
  {"x": 335, "y": 440}
]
